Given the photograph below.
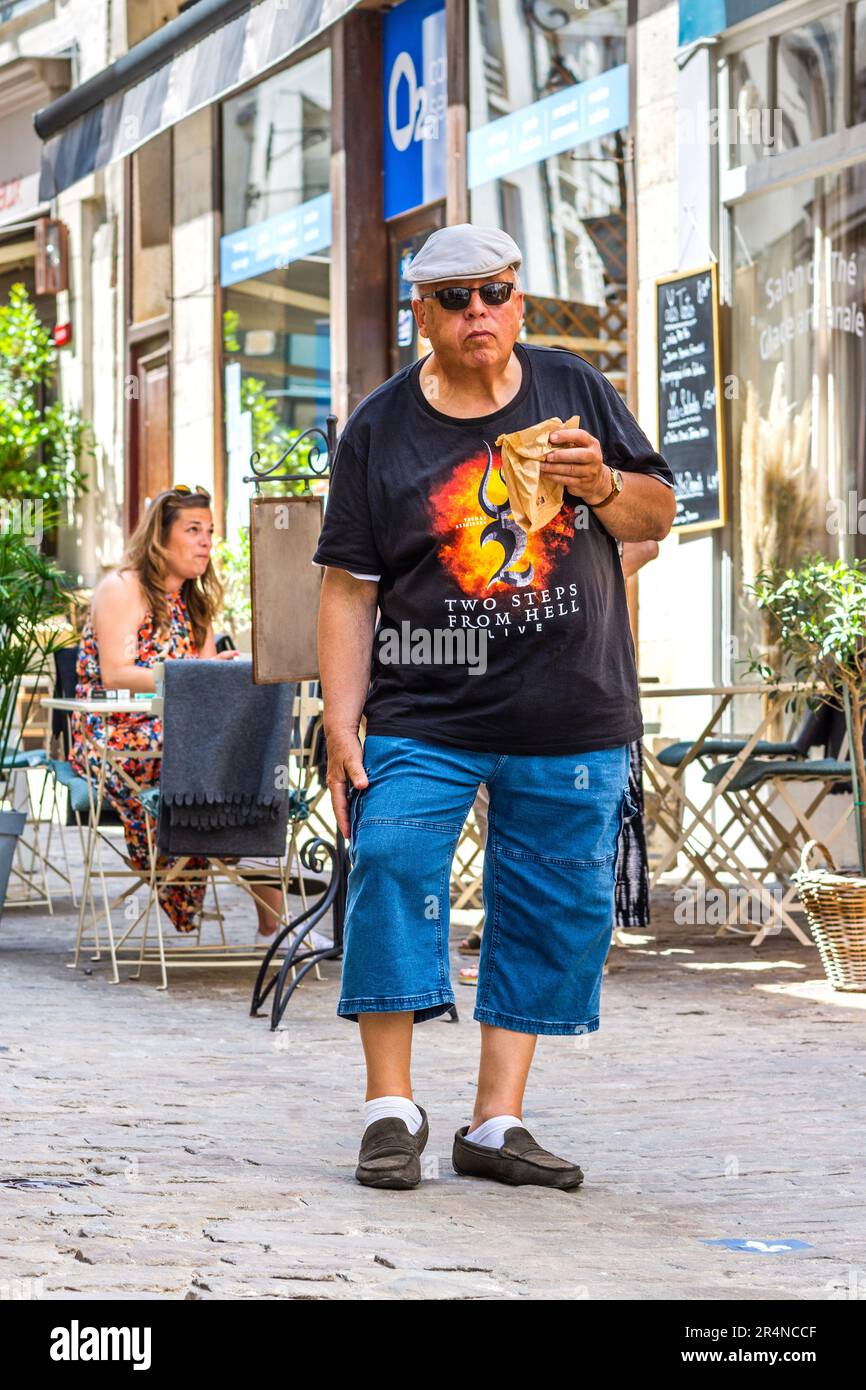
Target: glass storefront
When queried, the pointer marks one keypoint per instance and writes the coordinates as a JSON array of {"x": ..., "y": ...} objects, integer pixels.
[
  {"x": 548, "y": 116},
  {"x": 750, "y": 133},
  {"x": 275, "y": 267},
  {"x": 798, "y": 330},
  {"x": 858, "y": 92},
  {"x": 809, "y": 80},
  {"x": 800, "y": 333}
]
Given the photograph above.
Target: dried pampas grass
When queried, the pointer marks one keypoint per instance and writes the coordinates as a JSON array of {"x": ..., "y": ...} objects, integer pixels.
[
  {"x": 778, "y": 511},
  {"x": 778, "y": 515}
]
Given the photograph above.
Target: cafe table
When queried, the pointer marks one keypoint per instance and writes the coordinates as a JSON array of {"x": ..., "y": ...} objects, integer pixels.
[
  {"x": 689, "y": 817},
  {"x": 97, "y": 874},
  {"x": 226, "y": 870}
]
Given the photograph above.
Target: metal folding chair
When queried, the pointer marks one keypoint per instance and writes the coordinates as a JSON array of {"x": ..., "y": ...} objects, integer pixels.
[
  {"x": 752, "y": 818},
  {"x": 760, "y": 784},
  {"x": 35, "y": 863},
  {"x": 721, "y": 851},
  {"x": 28, "y": 878}
]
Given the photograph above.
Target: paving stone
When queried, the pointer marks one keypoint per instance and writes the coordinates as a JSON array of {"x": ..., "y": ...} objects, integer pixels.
[{"x": 208, "y": 1158}]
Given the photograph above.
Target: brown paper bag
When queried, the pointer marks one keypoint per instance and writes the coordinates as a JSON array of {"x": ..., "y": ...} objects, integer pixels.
[{"x": 535, "y": 500}]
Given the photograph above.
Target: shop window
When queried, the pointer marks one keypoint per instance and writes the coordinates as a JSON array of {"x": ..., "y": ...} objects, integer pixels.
[
  {"x": 512, "y": 212},
  {"x": 495, "y": 70},
  {"x": 799, "y": 379},
  {"x": 565, "y": 203},
  {"x": 277, "y": 144},
  {"x": 750, "y": 120},
  {"x": 275, "y": 266},
  {"x": 13, "y": 9},
  {"x": 808, "y": 81},
  {"x": 150, "y": 223},
  {"x": 858, "y": 86}
]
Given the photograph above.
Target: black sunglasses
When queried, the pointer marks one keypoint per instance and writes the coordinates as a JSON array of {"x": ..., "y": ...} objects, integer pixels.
[
  {"x": 186, "y": 491},
  {"x": 459, "y": 296}
]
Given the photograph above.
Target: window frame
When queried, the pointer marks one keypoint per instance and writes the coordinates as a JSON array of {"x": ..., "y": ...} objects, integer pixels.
[
  {"x": 322, "y": 42},
  {"x": 736, "y": 185},
  {"x": 826, "y": 155}
]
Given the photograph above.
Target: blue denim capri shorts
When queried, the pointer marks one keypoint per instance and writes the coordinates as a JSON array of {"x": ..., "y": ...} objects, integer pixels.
[{"x": 554, "y": 823}]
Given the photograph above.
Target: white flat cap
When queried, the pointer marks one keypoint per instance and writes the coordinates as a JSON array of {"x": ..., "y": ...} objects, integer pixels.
[{"x": 463, "y": 252}]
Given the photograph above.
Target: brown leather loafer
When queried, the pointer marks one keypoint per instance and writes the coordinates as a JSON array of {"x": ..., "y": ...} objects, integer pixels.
[
  {"x": 390, "y": 1155},
  {"x": 520, "y": 1161}
]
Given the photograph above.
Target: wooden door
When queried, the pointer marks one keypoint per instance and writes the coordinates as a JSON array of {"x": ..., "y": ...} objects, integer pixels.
[{"x": 150, "y": 428}]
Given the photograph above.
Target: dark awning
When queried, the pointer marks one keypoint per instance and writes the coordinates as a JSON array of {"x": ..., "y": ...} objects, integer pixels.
[{"x": 209, "y": 51}]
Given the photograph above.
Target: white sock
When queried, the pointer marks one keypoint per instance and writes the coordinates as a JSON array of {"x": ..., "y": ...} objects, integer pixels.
[
  {"x": 492, "y": 1132},
  {"x": 400, "y": 1106}
]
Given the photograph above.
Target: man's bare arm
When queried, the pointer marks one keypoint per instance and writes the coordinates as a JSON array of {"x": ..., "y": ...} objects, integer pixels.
[
  {"x": 347, "y": 623},
  {"x": 636, "y": 554},
  {"x": 643, "y": 511}
]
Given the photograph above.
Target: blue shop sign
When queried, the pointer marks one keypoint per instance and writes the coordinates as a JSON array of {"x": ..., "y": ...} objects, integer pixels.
[
  {"x": 703, "y": 18},
  {"x": 275, "y": 243},
  {"x": 547, "y": 127},
  {"x": 415, "y": 104}
]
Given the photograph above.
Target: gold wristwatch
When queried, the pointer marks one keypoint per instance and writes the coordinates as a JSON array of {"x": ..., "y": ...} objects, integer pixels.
[{"x": 615, "y": 489}]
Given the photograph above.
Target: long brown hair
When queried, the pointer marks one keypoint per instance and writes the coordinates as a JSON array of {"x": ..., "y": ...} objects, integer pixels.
[{"x": 146, "y": 554}]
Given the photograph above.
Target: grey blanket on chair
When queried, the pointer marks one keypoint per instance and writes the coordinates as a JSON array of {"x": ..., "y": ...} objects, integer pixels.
[{"x": 225, "y": 744}]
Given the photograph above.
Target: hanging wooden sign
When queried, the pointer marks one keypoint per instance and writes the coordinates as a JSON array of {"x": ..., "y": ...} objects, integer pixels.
[{"x": 285, "y": 587}]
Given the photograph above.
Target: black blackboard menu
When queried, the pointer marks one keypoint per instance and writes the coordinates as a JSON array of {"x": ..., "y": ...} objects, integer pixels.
[{"x": 691, "y": 435}]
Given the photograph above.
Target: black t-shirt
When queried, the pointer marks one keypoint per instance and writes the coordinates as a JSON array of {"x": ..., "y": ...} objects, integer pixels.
[{"x": 417, "y": 499}]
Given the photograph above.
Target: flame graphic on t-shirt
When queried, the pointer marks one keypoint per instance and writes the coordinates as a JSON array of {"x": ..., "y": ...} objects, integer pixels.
[{"x": 458, "y": 521}]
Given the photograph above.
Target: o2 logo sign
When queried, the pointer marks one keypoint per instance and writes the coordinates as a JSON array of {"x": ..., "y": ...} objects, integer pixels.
[
  {"x": 415, "y": 102},
  {"x": 425, "y": 111}
]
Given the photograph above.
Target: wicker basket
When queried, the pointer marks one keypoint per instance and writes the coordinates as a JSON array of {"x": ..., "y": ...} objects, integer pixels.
[{"x": 835, "y": 905}]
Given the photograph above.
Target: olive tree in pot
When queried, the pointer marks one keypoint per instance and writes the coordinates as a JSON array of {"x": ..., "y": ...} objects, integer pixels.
[
  {"x": 820, "y": 611},
  {"x": 33, "y": 596}
]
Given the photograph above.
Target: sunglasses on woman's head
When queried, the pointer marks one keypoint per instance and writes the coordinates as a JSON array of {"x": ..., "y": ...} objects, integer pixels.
[
  {"x": 185, "y": 491},
  {"x": 459, "y": 296}
]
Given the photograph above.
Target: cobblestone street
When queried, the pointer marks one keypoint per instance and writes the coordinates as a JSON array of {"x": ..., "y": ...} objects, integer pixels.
[
  {"x": 441, "y": 420},
  {"x": 175, "y": 1147}
]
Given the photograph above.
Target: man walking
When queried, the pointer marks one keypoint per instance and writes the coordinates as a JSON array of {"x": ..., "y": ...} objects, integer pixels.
[{"x": 541, "y": 710}]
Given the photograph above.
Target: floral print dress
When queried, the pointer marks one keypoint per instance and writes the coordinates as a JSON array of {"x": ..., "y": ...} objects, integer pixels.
[{"x": 137, "y": 733}]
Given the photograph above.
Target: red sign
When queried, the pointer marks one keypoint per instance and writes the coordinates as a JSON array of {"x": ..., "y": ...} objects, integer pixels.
[{"x": 62, "y": 334}]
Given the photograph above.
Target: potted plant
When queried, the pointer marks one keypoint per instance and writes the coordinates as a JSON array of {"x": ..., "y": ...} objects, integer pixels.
[
  {"x": 33, "y": 596},
  {"x": 820, "y": 612},
  {"x": 42, "y": 442}
]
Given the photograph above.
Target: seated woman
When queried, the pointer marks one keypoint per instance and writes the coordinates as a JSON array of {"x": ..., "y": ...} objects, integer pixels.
[{"x": 158, "y": 605}]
